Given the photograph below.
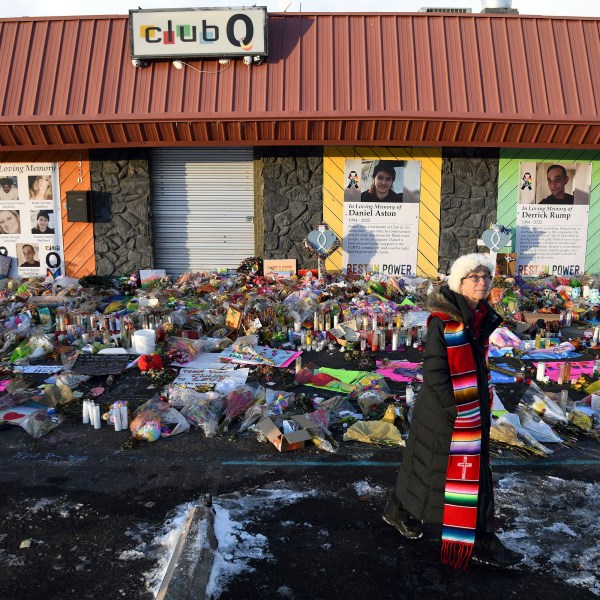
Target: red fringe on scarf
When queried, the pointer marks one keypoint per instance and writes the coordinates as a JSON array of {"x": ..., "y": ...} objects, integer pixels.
[{"x": 456, "y": 554}]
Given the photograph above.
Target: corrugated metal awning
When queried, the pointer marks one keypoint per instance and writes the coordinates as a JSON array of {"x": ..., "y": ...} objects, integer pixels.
[{"x": 388, "y": 79}]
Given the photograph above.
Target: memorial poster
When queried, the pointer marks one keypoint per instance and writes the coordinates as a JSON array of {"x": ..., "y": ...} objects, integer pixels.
[
  {"x": 30, "y": 220},
  {"x": 552, "y": 218},
  {"x": 381, "y": 217}
]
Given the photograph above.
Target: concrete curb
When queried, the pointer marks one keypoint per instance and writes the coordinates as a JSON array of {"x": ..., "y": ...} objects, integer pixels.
[{"x": 192, "y": 561}]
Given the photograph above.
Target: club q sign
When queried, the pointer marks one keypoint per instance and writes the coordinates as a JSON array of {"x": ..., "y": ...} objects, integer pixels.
[{"x": 202, "y": 32}]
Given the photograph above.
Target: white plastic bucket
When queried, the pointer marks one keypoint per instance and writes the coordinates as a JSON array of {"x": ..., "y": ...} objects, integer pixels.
[{"x": 144, "y": 341}]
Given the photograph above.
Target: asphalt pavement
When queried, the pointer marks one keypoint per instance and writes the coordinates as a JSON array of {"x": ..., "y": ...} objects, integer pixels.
[{"x": 80, "y": 515}]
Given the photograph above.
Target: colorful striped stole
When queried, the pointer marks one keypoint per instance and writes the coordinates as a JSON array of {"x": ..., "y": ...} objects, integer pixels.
[{"x": 462, "y": 476}]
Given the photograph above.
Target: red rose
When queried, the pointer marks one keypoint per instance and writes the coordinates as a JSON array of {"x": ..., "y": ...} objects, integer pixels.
[{"x": 149, "y": 362}]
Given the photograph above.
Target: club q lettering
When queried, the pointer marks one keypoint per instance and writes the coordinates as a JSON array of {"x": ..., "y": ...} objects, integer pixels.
[
  {"x": 208, "y": 32},
  {"x": 205, "y": 33}
]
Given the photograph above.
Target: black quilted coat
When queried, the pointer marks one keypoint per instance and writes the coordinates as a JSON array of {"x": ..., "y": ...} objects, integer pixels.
[{"x": 422, "y": 477}]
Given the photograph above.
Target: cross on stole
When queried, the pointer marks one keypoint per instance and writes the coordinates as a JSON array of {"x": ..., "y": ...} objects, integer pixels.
[{"x": 465, "y": 465}]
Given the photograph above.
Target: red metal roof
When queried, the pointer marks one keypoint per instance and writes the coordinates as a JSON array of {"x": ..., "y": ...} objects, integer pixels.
[{"x": 337, "y": 79}]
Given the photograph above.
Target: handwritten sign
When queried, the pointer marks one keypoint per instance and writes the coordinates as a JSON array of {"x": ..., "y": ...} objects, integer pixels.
[
  {"x": 197, "y": 377},
  {"x": 279, "y": 268},
  {"x": 101, "y": 364},
  {"x": 39, "y": 369}
]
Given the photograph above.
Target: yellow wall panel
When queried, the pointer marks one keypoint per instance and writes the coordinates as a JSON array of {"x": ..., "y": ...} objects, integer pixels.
[{"x": 334, "y": 159}]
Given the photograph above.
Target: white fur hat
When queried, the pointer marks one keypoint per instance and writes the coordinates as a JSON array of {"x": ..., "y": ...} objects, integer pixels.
[{"x": 467, "y": 264}]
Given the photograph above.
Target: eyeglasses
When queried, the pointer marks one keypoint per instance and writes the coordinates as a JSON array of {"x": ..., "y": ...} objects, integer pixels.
[{"x": 478, "y": 278}]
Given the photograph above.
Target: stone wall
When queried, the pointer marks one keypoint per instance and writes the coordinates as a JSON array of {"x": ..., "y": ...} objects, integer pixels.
[
  {"x": 469, "y": 200},
  {"x": 122, "y": 212},
  {"x": 292, "y": 188}
]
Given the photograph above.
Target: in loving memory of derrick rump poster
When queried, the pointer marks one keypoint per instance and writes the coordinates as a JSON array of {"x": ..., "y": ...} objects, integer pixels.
[{"x": 552, "y": 218}]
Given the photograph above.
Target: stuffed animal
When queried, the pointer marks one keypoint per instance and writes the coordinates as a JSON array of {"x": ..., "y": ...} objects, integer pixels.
[{"x": 149, "y": 431}]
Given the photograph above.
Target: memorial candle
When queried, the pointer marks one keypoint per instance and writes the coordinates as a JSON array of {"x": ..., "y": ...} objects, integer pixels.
[{"x": 541, "y": 370}]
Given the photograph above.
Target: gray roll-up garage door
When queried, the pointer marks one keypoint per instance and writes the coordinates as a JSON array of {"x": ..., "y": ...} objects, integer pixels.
[{"x": 203, "y": 207}]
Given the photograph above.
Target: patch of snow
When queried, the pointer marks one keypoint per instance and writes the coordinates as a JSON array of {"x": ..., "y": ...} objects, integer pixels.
[
  {"x": 555, "y": 526},
  {"x": 554, "y": 522},
  {"x": 131, "y": 555},
  {"x": 364, "y": 488},
  {"x": 163, "y": 546},
  {"x": 236, "y": 548},
  {"x": 562, "y": 528}
]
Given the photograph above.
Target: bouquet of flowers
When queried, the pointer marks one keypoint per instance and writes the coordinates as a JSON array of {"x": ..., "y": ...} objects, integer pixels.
[
  {"x": 238, "y": 401},
  {"x": 181, "y": 350}
]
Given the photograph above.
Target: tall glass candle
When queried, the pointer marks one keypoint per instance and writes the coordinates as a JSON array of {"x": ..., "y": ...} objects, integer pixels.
[
  {"x": 541, "y": 370},
  {"x": 363, "y": 340},
  {"x": 374, "y": 340},
  {"x": 561, "y": 373}
]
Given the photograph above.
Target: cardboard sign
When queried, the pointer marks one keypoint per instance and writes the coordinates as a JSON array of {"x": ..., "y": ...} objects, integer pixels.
[
  {"x": 285, "y": 267},
  {"x": 505, "y": 264},
  {"x": 149, "y": 276}
]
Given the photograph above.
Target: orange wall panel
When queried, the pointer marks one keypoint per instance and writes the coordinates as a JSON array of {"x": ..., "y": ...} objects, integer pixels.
[{"x": 78, "y": 238}]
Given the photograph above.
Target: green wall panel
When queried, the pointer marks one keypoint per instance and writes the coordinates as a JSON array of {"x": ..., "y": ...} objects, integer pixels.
[{"x": 508, "y": 192}]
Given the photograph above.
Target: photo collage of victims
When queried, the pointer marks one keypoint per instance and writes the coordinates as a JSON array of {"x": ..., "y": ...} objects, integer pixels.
[{"x": 28, "y": 219}]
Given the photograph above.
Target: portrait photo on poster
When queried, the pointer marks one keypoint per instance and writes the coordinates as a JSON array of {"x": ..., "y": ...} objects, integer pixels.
[
  {"x": 9, "y": 190},
  {"x": 28, "y": 255},
  {"x": 555, "y": 184},
  {"x": 42, "y": 222},
  {"x": 10, "y": 222},
  {"x": 386, "y": 180},
  {"x": 40, "y": 187}
]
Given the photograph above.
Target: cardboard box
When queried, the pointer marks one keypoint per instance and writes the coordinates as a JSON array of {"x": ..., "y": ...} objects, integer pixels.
[
  {"x": 287, "y": 441},
  {"x": 532, "y": 317}
]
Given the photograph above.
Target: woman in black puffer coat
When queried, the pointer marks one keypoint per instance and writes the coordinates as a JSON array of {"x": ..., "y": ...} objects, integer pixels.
[{"x": 437, "y": 460}]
